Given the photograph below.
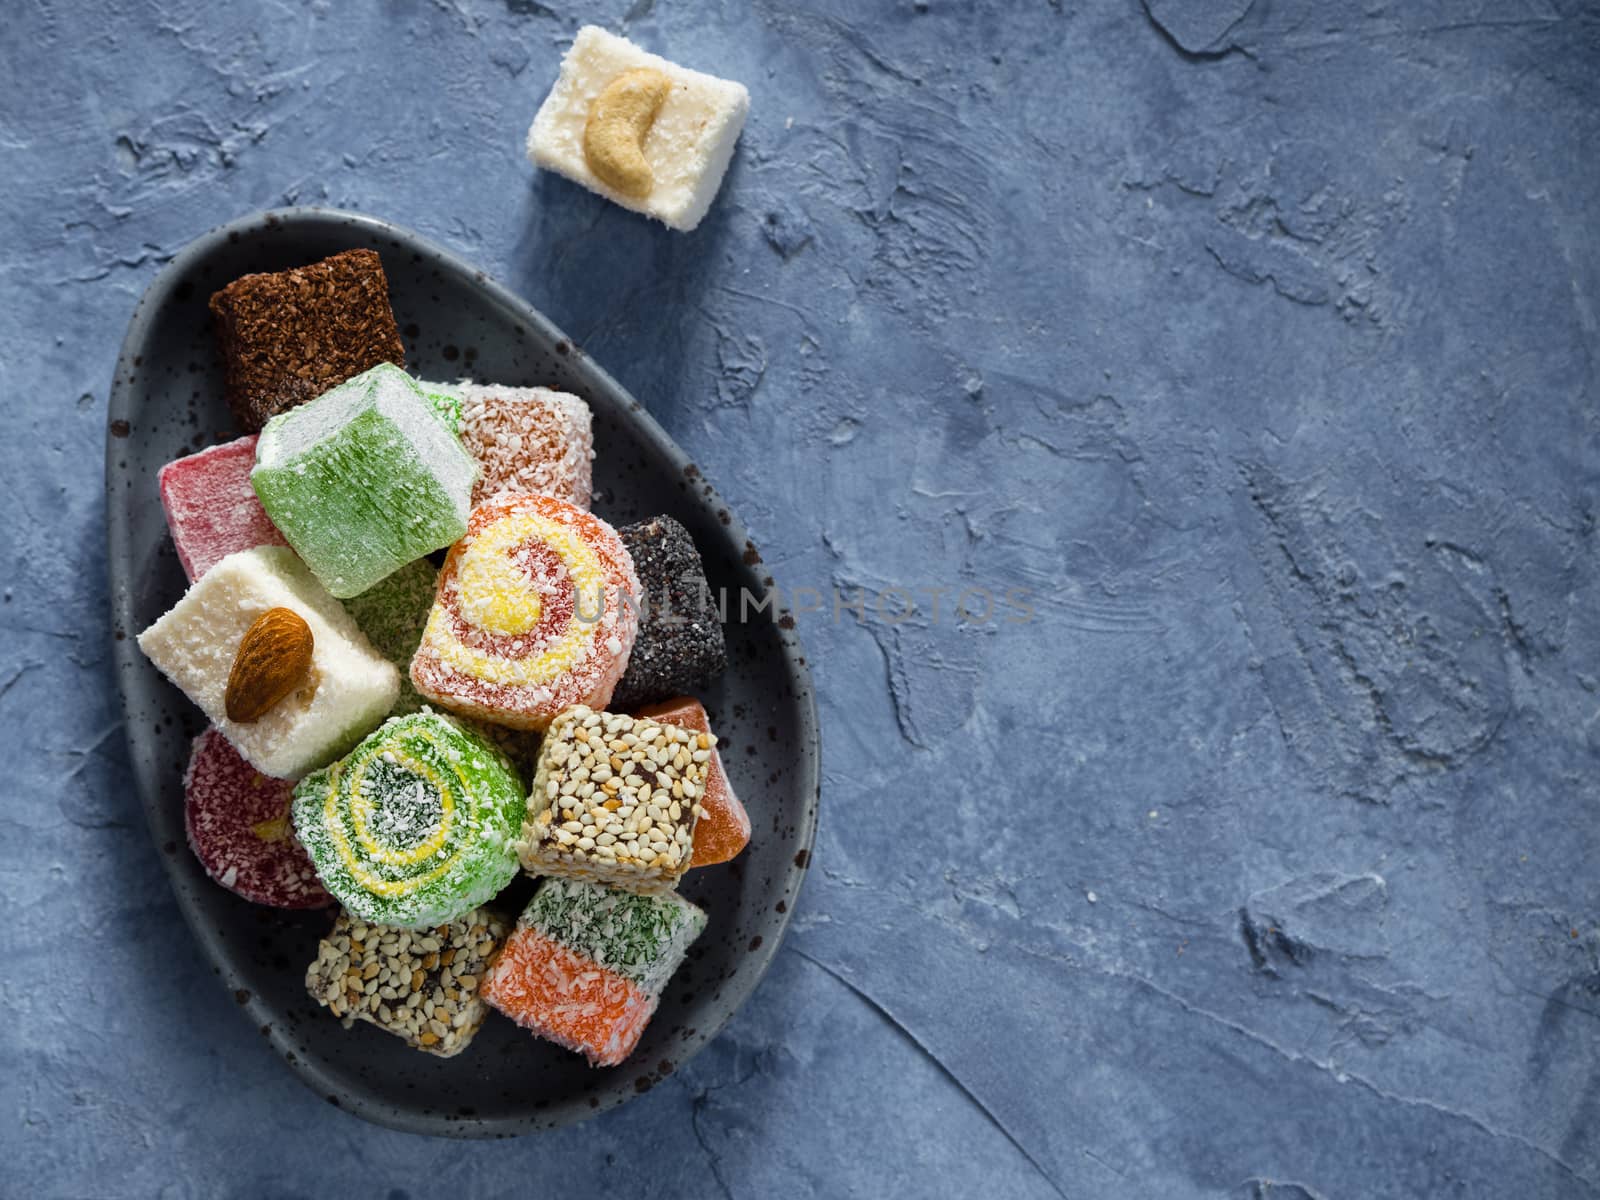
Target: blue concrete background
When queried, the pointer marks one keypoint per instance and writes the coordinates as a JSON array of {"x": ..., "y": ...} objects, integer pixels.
[{"x": 1255, "y": 339}]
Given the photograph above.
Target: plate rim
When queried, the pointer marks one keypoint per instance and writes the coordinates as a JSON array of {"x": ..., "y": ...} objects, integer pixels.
[{"x": 129, "y": 661}]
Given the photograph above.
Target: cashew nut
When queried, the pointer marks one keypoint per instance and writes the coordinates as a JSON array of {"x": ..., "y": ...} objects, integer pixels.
[{"x": 619, "y": 119}]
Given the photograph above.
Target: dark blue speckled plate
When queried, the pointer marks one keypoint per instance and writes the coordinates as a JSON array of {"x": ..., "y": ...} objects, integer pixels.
[{"x": 166, "y": 401}]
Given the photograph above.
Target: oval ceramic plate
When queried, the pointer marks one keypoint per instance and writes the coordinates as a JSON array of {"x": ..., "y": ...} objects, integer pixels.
[{"x": 166, "y": 401}]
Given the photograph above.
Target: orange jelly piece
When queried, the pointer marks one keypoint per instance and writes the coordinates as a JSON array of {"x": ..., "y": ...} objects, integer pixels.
[
  {"x": 567, "y": 998},
  {"x": 725, "y": 829}
]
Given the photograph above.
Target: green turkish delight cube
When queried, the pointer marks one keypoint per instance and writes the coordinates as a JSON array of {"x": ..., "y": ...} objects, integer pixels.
[{"x": 364, "y": 479}]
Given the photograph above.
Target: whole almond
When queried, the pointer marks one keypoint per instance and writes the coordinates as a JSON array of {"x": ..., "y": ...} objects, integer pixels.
[{"x": 273, "y": 659}]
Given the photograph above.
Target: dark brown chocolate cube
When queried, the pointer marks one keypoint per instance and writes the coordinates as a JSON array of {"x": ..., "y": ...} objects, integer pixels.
[{"x": 289, "y": 336}]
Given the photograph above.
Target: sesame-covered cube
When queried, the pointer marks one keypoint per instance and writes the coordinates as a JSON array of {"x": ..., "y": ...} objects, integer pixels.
[
  {"x": 723, "y": 829},
  {"x": 614, "y": 800},
  {"x": 678, "y": 164},
  {"x": 679, "y": 646},
  {"x": 212, "y": 511},
  {"x": 586, "y": 965},
  {"x": 393, "y": 613},
  {"x": 424, "y": 987},
  {"x": 364, "y": 479},
  {"x": 528, "y": 440},
  {"x": 289, "y": 336},
  {"x": 348, "y": 687}
]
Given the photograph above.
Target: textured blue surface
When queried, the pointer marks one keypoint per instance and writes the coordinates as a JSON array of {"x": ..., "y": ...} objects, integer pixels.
[{"x": 1256, "y": 340}]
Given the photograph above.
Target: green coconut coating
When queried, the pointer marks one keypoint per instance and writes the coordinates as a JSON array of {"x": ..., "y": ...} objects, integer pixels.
[
  {"x": 392, "y": 613},
  {"x": 643, "y": 938},
  {"x": 415, "y": 826},
  {"x": 446, "y": 405},
  {"x": 521, "y": 746}
]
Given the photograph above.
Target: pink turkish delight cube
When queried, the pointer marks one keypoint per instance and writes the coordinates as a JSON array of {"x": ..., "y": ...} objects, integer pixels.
[{"x": 211, "y": 508}]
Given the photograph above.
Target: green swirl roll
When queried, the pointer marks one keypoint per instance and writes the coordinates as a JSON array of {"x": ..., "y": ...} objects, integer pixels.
[{"x": 415, "y": 826}]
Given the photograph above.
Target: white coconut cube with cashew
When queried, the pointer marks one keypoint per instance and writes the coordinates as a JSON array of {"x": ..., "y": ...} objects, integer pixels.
[{"x": 643, "y": 132}]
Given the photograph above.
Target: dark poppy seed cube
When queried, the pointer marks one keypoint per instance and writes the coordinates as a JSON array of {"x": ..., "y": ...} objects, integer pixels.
[{"x": 680, "y": 646}]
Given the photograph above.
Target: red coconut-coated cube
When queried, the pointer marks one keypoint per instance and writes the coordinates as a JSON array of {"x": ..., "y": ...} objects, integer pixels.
[
  {"x": 238, "y": 825},
  {"x": 211, "y": 508},
  {"x": 567, "y": 998},
  {"x": 723, "y": 830}
]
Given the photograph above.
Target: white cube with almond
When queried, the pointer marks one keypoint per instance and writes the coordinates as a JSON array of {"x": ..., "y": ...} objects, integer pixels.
[{"x": 274, "y": 661}]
